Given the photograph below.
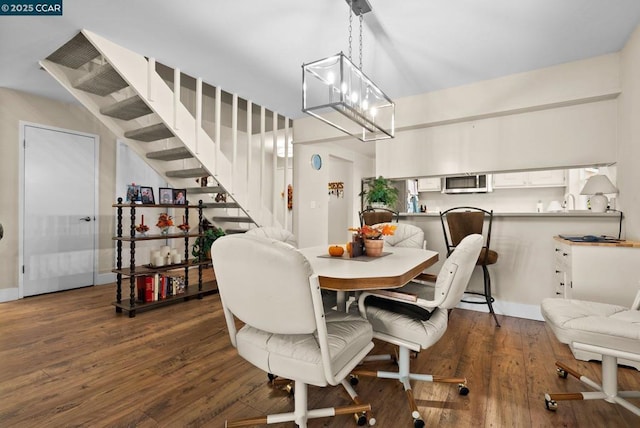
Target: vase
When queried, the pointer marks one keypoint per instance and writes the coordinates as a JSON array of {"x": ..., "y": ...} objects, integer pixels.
[
  {"x": 164, "y": 231},
  {"x": 373, "y": 247}
]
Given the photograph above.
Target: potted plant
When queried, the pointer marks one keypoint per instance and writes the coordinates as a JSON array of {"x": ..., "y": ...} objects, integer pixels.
[
  {"x": 381, "y": 193},
  {"x": 202, "y": 245}
]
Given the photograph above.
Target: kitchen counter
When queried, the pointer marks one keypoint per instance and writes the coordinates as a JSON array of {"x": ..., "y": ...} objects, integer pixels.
[
  {"x": 569, "y": 214},
  {"x": 629, "y": 244},
  {"x": 524, "y": 274}
]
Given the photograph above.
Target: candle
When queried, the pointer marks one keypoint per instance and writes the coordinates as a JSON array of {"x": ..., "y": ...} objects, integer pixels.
[
  {"x": 158, "y": 261},
  {"x": 165, "y": 250},
  {"x": 176, "y": 258},
  {"x": 154, "y": 254},
  {"x": 142, "y": 221},
  {"x": 182, "y": 219}
]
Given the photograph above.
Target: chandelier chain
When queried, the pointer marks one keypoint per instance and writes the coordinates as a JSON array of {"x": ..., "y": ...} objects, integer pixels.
[
  {"x": 361, "y": 18},
  {"x": 350, "y": 28}
]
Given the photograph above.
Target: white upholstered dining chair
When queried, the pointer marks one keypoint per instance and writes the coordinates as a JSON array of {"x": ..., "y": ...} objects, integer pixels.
[
  {"x": 415, "y": 317},
  {"x": 299, "y": 342},
  {"x": 276, "y": 233}
]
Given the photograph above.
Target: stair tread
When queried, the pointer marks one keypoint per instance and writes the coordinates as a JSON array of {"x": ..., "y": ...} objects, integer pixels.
[
  {"x": 234, "y": 219},
  {"x": 221, "y": 205},
  {"x": 170, "y": 154},
  {"x": 102, "y": 81},
  {"x": 154, "y": 132},
  {"x": 75, "y": 53},
  {"x": 233, "y": 231},
  {"x": 187, "y": 173},
  {"x": 205, "y": 190},
  {"x": 128, "y": 109}
]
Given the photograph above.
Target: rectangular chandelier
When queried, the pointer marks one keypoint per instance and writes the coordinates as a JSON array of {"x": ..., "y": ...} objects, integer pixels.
[{"x": 338, "y": 93}]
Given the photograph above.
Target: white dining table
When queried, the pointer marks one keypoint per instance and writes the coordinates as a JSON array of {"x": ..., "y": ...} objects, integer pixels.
[{"x": 395, "y": 268}]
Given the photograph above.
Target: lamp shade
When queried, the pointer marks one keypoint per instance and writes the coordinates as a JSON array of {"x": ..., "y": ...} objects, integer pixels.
[{"x": 598, "y": 184}]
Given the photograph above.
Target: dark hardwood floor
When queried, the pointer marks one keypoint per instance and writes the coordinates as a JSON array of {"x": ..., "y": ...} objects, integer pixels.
[{"x": 67, "y": 359}]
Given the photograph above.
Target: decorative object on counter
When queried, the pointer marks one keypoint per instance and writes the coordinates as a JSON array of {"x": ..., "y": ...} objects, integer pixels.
[
  {"x": 165, "y": 221},
  {"x": 336, "y": 188},
  {"x": 372, "y": 235},
  {"x": 1, "y": 231},
  {"x": 554, "y": 207},
  {"x": 539, "y": 207},
  {"x": 464, "y": 221},
  {"x": 597, "y": 186},
  {"x": 423, "y": 208},
  {"x": 337, "y": 84},
  {"x": 380, "y": 193}
]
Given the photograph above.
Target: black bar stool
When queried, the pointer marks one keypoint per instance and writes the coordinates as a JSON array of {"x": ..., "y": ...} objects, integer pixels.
[{"x": 463, "y": 221}]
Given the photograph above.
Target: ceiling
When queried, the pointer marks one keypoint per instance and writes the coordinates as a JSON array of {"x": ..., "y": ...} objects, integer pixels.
[{"x": 256, "y": 47}]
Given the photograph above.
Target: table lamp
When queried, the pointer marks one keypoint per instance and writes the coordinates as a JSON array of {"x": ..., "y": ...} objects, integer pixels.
[{"x": 596, "y": 186}]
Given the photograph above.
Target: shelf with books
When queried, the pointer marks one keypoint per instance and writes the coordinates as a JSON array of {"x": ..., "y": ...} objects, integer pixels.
[{"x": 136, "y": 272}]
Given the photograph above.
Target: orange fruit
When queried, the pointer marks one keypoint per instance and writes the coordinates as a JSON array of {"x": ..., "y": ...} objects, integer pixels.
[
  {"x": 349, "y": 248},
  {"x": 336, "y": 250}
]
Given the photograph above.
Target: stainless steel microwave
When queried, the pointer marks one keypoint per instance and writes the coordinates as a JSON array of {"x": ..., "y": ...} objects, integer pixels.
[{"x": 468, "y": 183}]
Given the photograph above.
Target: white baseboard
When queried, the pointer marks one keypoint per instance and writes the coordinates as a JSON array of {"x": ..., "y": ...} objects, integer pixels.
[
  {"x": 518, "y": 310},
  {"x": 9, "y": 294}
]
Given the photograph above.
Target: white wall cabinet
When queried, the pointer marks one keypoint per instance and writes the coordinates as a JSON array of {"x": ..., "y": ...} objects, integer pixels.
[
  {"x": 432, "y": 184},
  {"x": 548, "y": 178}
]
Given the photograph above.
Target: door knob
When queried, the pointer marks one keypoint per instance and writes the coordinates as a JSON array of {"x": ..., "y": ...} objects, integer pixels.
[{"x": 87, "y": 218}]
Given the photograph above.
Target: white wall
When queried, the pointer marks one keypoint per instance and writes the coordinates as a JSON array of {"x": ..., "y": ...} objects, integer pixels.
[
  {"x": 311, "y": 215},
  {"x": 629, "y": 143}
]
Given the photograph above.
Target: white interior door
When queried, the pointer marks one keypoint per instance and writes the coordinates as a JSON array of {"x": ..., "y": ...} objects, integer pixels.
[{"x": 59, "y": 220}]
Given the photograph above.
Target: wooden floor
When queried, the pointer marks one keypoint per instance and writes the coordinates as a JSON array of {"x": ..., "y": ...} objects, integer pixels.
[{"x": 67, "y": 359}]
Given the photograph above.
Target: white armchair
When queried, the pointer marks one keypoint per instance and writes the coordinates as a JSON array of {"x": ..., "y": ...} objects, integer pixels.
[
  {"x": 610, "y": 331},
  {"x": 299, "y": 342},
  {"x": 415, "y": 317}
]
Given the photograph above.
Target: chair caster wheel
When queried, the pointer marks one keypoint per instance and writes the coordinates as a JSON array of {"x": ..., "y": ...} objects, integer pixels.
[
  {"x": 462, "y": 389},
  {"x": 418, "y": 423},
  {"x": 562, "y": 373},
  {"x": 361, "y": 418},
  {"x": 353, "y": 380},
  {"x": 551, "y": 405},
  {"x": 271, "y": 377},
  {"x": 290, "y": 390}
]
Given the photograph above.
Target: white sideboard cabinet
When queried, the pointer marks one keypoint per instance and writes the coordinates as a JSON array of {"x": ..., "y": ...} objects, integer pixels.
[{"x": 600, "y": 272}]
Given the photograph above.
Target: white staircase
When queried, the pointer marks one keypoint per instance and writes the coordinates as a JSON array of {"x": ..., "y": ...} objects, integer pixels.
[{"x": 183, "y": 127}]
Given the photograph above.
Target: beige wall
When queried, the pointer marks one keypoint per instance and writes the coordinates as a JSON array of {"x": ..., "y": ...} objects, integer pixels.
[
  {"x": 18, "y": 106},
  {"x": 628, "y": 178}
]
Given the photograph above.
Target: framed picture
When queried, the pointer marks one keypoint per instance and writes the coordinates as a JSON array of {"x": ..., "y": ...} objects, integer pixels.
[
  {"x": 165, "y": 195},
  {"x": 146, "y": 195},
  {"x": 133, "y": 194},
  {"x": 180, "y": 196}
]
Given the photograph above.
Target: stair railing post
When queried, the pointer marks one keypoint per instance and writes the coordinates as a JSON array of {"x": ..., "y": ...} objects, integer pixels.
[
  {"x": 249, "y": 152},
  {"x": 274, "y": 165},
  {"x": 176, "y": 96},
  {"x": 218, "y": 114},
  {"x": 198, "y": 111},
  {"x": 151, "y": 69},
  {"x": 263, "y": 138}
]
